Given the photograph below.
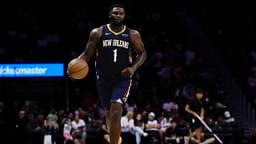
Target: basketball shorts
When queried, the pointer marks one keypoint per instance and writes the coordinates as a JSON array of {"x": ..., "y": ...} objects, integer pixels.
[{"x": 113, "y": 90}]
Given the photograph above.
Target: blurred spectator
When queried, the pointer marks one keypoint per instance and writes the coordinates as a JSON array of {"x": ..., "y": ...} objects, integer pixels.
[
  {"x": 139, "y": 126},
  {"x": 79, "y": 129},
  {"x": 51, "y": 121},
  {"x": 130, "y": 106},
  {"x": 169, "y": 105},
  {"x": 127, "y": 128},
  {"x": 173, "y": 135},
  {"x": 67, "y": 130},
  {"x": 51, "y": 125},
  {"x": 152, "y": 127},
  {"x": 189, "y": 57},
  {"x": 253, "y": 55},
  {"x": 228, "y": 118},
  {"x": 21, "y": 131},
  {"x": 165, "y": 123},
  {"x": 252, "y": 78},
  {"x": 37, "y": 129},
  {"x": 252, "y": 139}
]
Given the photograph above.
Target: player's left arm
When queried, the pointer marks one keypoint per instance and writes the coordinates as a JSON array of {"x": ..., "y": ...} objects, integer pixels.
[{"x": 138, "y": 45}]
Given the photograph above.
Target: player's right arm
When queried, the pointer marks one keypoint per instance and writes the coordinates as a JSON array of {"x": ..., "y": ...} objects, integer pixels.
[{"x": 92, "y": 43}]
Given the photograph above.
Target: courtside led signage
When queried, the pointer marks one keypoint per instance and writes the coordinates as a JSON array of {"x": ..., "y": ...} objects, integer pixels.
[{"x": 32, "y": 70}]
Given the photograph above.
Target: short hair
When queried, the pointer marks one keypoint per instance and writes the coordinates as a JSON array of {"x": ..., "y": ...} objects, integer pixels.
[
  {"x": 119, "y": 5},
  {"x": 199, "y": 90},
  {"x": 152, "y": 114}
]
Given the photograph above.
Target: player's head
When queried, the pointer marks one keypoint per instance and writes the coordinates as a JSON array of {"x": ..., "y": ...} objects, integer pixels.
[
  {"x": 117, "y": 14},
  {"x": 199, "y": 94}
]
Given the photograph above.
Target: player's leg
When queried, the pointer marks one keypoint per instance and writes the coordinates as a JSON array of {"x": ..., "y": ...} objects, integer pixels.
[
  {"x": 115, "y": 125},
  {"x": 108, "y": 114},
  {"x": 119, "y": 96},
  {"x": 108, "y": 120},
  {"x": 105, "y": 87}
]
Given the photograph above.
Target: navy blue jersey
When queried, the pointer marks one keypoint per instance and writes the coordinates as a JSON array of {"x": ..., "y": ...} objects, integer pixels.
[{"x": 113, "y": 52}]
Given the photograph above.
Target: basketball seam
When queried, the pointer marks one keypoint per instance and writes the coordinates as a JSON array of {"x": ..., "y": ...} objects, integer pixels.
[{"x": 78, "y": 70}]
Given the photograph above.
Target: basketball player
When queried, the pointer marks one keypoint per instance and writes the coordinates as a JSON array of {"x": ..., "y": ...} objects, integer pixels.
[
  {"x": 196, "y": 108},
  {"x": 113, "y": 44}
]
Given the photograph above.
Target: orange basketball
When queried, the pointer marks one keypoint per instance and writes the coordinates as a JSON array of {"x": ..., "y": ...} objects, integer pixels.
[{"x": 78, "y": 68}]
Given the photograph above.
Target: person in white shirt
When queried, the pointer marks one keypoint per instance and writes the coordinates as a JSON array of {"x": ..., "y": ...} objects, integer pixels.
[
  {"x": 165, "y": 123},
  {"x": 67, "y": 130},
  {"x": 153, "y": 127},
  {"x": 79, "y": 129},
  {"x": 152, "y": 124},
  {"x": 127, "y": 126},
  {"x": 127, "y": 122}
]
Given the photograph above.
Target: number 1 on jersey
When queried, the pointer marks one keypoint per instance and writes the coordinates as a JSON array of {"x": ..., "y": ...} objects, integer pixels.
[{"x": 115, "y": 54}]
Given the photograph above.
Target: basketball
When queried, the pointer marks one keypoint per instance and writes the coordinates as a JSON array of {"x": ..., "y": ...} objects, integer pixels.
[{"x": 78, "y": 68}]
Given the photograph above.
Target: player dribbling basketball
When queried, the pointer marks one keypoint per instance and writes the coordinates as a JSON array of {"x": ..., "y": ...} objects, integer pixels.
[{"x": 113, "y": 43}]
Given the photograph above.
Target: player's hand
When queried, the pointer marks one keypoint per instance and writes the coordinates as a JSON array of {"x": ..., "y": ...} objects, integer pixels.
[
  {"x": 69, "y": 75},
  {"x": 128, "y": 72}
]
